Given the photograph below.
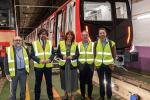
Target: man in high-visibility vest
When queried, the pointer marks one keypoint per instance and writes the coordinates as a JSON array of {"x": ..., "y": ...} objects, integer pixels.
[
  {"x": 105, "y": 52},
  {"x": 86, "y": 64},
  {"x": 42, "y": 53},
  {"x": 17, "y": 67}
]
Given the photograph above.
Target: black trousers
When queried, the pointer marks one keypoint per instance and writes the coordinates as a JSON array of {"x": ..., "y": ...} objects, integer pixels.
[
  {"x": 38, "y": 80},
  {"x": 2, "y": 66},
  {"x": 86, "y": 75},
  {"x": 104, "y": 70}
]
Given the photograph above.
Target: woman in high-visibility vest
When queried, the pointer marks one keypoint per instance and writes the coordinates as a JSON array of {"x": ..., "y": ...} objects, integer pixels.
[
  {"x": 105, "y": 52},
  {"x": 68, "y": 54}
]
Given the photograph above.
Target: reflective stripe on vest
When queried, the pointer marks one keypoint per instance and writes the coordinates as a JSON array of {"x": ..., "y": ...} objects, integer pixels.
[
  {"x": 103, "y": 54},
  {"x": 11, "y": 62},
  {"x": 72, "y": 53},
  {"x": 86, "y": 55},
  {"x": 42, "y": 54}
]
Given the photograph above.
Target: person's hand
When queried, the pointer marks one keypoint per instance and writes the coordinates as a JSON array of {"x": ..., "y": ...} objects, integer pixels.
[
  {"x": 43, "y": 61},
  {"x": 64, "y": 57},
  {"x": 112, "y": 66},
  {"x": 8, "y": 78},
  {"x": 69, "y": 57}
]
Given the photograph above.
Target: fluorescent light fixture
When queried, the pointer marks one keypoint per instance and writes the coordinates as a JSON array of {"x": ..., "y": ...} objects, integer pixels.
[
  {"x": 28, "y": 6},
  {"x": 143, "y": 16}
]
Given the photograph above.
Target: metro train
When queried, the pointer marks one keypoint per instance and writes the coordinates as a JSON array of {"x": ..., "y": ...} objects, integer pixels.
[
  {"x": 7, "y": 25},
  {"x": 89, "y": 15},
  {"x": 7, "y": 29}
]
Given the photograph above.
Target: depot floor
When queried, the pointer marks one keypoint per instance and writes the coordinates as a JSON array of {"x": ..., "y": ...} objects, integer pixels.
[{"x": 58, "y": 92}]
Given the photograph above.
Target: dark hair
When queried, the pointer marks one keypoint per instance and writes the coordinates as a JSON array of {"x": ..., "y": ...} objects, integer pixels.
[
  {"x": 102, "y": 28},
  {"x": 41, "y": 31},
  {"x": 72, "y": 34}
]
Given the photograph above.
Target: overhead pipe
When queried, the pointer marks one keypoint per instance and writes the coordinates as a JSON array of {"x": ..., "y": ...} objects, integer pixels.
[{"x": 36, "y": 6}]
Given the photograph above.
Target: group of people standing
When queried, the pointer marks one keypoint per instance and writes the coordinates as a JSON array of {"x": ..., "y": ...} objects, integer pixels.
[{"x": 72, "y": 56}]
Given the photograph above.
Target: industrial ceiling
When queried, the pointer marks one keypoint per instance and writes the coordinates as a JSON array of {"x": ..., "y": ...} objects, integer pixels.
[{"x": 30, "y": 13}]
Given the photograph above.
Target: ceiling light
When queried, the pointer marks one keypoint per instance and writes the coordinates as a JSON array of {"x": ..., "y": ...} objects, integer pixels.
[
  {"x": 28, "y": 6},
  {"x": 145, "y": 16}
]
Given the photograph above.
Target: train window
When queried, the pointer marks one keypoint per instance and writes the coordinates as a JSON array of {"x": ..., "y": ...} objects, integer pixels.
[
  {"x": 51, "y": 33},
  {"x": 121, "y": 10},
  {"x": 95, "y": 11},
  {"x": 70, "y": 19},
  {"x": 4, "y": 18},
  {"x": 6, "y": 13},
  {"x": 51, "y": 25},
  {"x": 63, "y": 21}
]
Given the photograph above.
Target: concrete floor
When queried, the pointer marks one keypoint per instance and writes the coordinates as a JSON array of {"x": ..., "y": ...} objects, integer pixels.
[{"x": 58, "y": 92}]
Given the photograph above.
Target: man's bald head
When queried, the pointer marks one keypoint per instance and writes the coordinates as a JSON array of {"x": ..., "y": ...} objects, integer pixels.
[
  {"x": 17, "y": 41},
  {"x": 17, "y": 38}
]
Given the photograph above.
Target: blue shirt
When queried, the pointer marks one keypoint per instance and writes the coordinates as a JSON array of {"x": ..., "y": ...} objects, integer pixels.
[
  {"x": 85, "y": 44},
  {"x": 104, "y": 42},
  {"x": 19, "y": 58}
]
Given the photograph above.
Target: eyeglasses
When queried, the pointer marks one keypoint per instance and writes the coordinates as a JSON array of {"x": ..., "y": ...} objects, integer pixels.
[
  {"x": 18, "y": 40},
  {"x": 101, "y": 32}
]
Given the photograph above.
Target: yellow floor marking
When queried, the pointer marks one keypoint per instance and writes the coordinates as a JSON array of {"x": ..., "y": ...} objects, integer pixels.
[
  {"x": 55, "y": 93},
  {"x": 43, "y": 78},
  {"x": 27, "y": 91}
]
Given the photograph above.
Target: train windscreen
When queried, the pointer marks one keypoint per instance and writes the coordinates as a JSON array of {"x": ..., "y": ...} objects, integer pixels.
[
  {"x": 97, "y": 11},
  {"x": 121, "y": 10}
]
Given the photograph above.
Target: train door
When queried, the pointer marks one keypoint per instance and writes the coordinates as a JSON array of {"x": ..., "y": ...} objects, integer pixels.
[
  {"x": 59, "y": 26},
  {"x": 123, "y": 24},
  {"x": 70, "y": 17}
]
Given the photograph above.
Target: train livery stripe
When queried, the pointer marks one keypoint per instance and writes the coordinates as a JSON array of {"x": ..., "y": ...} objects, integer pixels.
[{"x": 78, "y": 30}]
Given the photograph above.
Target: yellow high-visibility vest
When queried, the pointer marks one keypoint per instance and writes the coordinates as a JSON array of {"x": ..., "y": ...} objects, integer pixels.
[
  {"x": 103, "y": 55},
  {"x": 42, "y": 54},
  {"x": 11, "y": 60},
  {"x": 72, "y": 53},
  {"x": 86, "y": 54}
]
